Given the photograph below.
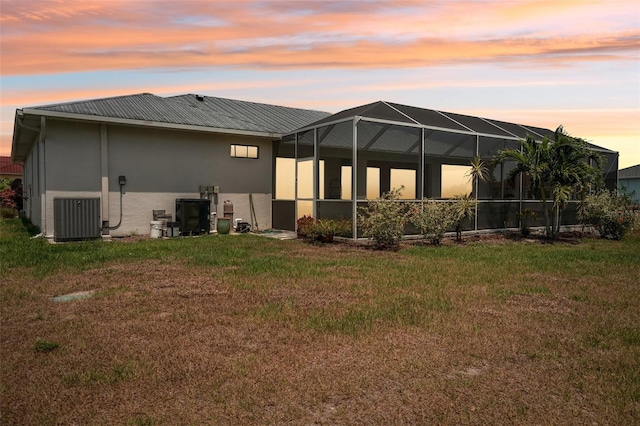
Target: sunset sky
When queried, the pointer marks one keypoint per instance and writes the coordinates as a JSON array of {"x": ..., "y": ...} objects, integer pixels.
[{"x": 543, "y": 63}]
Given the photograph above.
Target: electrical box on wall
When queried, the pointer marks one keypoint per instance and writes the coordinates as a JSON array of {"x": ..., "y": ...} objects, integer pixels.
[{"x": 216, "y": 189}]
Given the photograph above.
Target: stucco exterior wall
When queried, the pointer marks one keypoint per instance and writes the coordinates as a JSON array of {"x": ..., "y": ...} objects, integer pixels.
[
  {"x": 31, "y": 188},
  {"x": 159, "y": 166},
  {"x": 72, "y": 156}
]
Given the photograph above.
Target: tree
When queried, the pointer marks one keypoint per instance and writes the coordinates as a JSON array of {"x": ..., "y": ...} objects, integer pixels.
[
  {"x": 464, "y": 208},
  {"x": 556, "y": 168},
  {"x": 478, "y": 172},
  {"x": 571, "y": 171},
  {"x": 532, "y": 159}
]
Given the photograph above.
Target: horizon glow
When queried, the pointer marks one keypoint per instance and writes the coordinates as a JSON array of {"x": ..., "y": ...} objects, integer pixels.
[{"x": 542, "y": 63}]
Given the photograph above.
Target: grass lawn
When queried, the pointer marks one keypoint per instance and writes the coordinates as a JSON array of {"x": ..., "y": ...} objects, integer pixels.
[{"x": 251, "y": 330}]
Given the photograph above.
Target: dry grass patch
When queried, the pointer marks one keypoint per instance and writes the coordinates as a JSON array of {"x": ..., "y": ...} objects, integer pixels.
[{"x": 296, "y": 333}]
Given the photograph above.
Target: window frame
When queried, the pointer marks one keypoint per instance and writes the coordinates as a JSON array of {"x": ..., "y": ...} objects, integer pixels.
[{"x": 233, "y": 151}]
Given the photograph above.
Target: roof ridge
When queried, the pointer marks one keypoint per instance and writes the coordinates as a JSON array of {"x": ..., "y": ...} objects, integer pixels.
[
  {"x": 86, "y": 101},
  {"x": 176, "y": 97}
]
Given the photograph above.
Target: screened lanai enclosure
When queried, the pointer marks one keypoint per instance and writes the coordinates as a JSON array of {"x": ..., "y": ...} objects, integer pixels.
[{"x": 329, "y": 169}]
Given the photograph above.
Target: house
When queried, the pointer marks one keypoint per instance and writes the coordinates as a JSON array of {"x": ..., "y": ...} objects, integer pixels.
[
  {"x": 629, "y": 181},
  {"x": 9, "y": 169},
  {"x": 139, "y": 153}
]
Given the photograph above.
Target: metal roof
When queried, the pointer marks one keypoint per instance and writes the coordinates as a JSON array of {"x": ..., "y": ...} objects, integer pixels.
[
  {"x": 242, "y": 115},
  {"x": 632, "y": 172},
  {"x": 210, "y": 112},
  {"x": 185, "y": 112}
]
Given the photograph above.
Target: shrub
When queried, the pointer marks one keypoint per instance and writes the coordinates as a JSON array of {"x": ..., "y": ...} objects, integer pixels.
[
  {"x": 615, "y": 225},
  {"x": 383, "y": 220},
  {"x": 610, "y": 212},
  {"x": 322, "y": 230},
  {"x": 8, "y": 198},
  {"x": 526, "y": 216},
  {"x": 345, "y": 228},
  {"x": 432, "y": 219},
  {"x": 303, "y": 225}
]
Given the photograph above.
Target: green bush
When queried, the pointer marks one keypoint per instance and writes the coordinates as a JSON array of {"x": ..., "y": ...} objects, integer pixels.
[
  {"x": 610, "y": 213},
  {"x": 303, "y": 225},
  {"x": 433, "y": 218},
  {"x": 615, "y": 225},
  {"x": 345, "y": 228},
  {"x": 322, "y": 230},
  {"x": 383, "y": 220}
]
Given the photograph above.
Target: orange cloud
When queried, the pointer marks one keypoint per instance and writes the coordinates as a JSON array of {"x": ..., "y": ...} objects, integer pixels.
[
  {"x": 36, "y": 56},
  {"x": 39, "y": 39}
]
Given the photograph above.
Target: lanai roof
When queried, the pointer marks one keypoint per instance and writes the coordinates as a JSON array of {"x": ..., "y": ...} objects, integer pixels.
[{"x": 447, "y": 122}]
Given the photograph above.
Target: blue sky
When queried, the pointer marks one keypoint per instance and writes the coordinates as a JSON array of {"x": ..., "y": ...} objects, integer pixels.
[{"x": 544, "y": 63}]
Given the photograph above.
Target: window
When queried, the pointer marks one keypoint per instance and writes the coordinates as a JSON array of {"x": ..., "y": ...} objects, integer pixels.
[
  {"x": 244, "y": 151},
  {"x": 455, "y": 181},
  {"x": 406, "y": 178}
]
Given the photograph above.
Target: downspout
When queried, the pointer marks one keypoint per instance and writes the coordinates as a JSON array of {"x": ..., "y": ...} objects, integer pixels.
[
  {"x": 42, "y": 175},
  {"x": 27, "y": 195},
  {"x": 104, "y": 173}
]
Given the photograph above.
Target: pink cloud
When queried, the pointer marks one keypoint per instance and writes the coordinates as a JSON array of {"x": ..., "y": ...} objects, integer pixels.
[{"x": 41, "y": 38}]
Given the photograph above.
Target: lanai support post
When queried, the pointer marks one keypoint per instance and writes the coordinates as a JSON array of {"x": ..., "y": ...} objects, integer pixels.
[{"x": 354, "y": 178}]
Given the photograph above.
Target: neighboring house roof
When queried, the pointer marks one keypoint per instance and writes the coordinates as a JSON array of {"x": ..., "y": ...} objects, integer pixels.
[
  {"x": 9, "y": 168},
  {"x": 186, "y": 112},
  {"x": 632, "y": 172},
  {"x": 437, "y": 120}
]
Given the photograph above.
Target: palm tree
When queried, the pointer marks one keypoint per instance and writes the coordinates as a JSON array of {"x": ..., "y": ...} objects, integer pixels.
[
  {"x": 570, "y": 170},
  {"x": 555, "y": 167},
  {"x": 464, "y": 209},
  {"x": 478, "y": 172},
  {"x": 533, "y": 159}
]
